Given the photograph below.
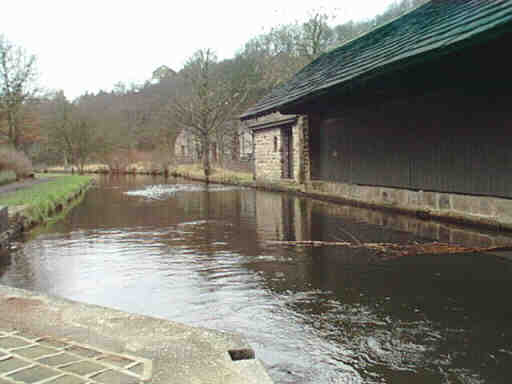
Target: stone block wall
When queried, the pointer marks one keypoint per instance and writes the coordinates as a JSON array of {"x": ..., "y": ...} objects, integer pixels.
[
  {"x": 428, "y": 229},
  {"x": 483, "y": 210},
  {"x": 270, "y": 163},
  {"x": 297, "y": 140},
  {"x": 4, "y": 218},
  {"x": 267, "y": 154},
  {"x": 301, "y": 168},
  {"x": 9, "y": 229}
]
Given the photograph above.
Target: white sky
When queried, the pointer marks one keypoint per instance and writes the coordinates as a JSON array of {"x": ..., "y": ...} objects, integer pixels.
[{"x": 89, "y": 45}]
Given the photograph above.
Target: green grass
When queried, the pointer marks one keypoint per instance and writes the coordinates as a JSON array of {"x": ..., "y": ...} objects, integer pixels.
[
  {"x": 41, "y": 200},
  {"x": 7, "y": 177},
  {"x": 218, "y": 175}
]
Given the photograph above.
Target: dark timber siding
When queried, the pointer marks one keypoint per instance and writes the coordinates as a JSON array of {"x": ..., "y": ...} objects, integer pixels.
[{"x": 448, "y": 141}]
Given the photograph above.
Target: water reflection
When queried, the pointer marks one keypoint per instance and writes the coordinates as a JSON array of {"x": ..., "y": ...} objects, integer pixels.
[{"x": 200, "y": 255}]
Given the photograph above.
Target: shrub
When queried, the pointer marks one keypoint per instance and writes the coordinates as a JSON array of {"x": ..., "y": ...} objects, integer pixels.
[
  {"x": 119, "y": 160},
  {"x": 15, "y": 161}
]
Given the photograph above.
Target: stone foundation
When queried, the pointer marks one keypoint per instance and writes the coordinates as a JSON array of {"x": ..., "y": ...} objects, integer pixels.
[
  {"x": 482, "y": 210},
  {"x": 11, "y": 232},
  {"x": 4, "y": 218},
  {"x": 429, "y": 229}
]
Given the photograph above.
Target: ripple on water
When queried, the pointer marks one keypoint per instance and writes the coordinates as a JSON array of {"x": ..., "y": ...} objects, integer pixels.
[
  {"x": 312, "y": 315},
  {"x": 164, "y": 191}
]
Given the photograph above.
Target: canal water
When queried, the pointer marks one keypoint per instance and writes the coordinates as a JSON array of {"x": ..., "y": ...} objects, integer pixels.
[{"x": 204, "y": 256}]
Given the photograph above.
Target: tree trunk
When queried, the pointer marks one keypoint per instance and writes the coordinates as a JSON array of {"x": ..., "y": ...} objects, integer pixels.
[
  {"x": 235, "y": 154},
  {"x": 11, "y": 122},
  {"x": 206, "y": 158}
]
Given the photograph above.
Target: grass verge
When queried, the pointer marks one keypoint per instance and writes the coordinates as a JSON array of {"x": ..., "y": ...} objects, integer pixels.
[
  {"x": 218, "y": 175},
  {"x": 55, "y": 218},
  {"x": 42, "y": 200}
]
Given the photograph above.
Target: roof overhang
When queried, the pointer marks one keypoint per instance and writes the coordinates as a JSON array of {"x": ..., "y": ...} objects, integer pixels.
[
  {"x": 311, "y": 83},
  {"x": 274, "y": 124}
]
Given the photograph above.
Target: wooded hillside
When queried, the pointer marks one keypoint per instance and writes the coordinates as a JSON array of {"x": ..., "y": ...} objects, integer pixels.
[{"x": 135, "y": 122}]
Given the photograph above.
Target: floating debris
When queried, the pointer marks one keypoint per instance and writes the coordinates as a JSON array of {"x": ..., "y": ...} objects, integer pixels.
[{"x": 397, "y": 249}]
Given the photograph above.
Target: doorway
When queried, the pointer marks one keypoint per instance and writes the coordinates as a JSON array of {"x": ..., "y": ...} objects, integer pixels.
[{"x": 287, "y": 153}]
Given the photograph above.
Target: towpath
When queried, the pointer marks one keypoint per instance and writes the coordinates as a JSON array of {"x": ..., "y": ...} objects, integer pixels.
[
  {"x": 27, "y": 183},
  {"x": 48, "y": 340}
]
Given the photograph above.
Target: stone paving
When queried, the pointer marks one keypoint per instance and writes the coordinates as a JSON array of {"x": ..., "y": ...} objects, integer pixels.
[
  {"x": 27, "y": 358},
  {"x": 47, "y": 339}
]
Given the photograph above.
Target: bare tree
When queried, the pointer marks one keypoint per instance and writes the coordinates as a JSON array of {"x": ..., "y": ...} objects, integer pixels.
[
  {"x": 316, "y": 37},
  {"x": 162, "y": 124},
  {"x": 273, "y": 57},
  {"x": 17, "y": 86},
  {"x": 71, "y": 131},
  {"x": 206, "y": 101},
  {"x": 167, "y": 128}
]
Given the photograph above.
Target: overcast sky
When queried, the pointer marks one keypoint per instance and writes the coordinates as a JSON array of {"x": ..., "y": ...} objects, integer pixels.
[{"x": 89, "y": 45}]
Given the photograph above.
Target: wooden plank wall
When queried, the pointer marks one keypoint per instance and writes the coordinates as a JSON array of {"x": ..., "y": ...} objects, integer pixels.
[{"x": 447, "y": 141}]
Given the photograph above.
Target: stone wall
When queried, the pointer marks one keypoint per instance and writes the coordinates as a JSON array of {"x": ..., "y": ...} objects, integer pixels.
[
  {"x": 4, "y": 218},
  {"x": 14, "y": 229},
  {"x": 5, "y": 236},
  {"x": 267, "y": 145},
  {"x": 286, "y": 148},
  {"x": 185, "y": 148},
  {"x": 296, "y": 152},
  {"x": 267, "y": 154},
  {"x": 483, "y": 210},
  {"x": 428, "y": 229},
  {"x": 301, "y": 166},
  {"x": 270, "y": 163}
]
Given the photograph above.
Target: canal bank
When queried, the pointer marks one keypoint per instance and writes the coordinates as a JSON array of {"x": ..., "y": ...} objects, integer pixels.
[
  {"x": 480, "y": 212},
  {"x": 493, "y": 214},
  {"x": 205, "y": 255},
  {"x": 44, "y": 337},
  {"x": 26, "y": 204}
]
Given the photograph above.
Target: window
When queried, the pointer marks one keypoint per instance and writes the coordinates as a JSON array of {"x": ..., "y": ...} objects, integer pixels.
[{"x": 275, "y": 143}]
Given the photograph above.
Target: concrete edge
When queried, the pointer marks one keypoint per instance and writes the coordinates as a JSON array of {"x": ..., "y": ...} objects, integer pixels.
[{"x": 178, "y": 352}]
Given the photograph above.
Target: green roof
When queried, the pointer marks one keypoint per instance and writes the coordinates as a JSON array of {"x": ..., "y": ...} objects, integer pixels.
[{"x": 435, "y": 28}]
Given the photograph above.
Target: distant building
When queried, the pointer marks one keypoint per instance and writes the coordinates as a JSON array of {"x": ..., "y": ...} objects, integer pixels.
[
  {"x": 186, "y": 146},
  {"x": 235, "y": 145}
]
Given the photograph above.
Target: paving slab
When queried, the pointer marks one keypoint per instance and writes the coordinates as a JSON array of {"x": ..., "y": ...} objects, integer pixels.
[
  {"x": 56, "y": 341},
  {"x": 33, "y": 374}
]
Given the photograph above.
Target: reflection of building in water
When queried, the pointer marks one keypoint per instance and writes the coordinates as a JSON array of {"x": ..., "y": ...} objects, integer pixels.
[
  {"x": 302, "y": 218},
  {"x": 248, "y": 204},
  {"x": 269, "y": 216},
  {"x": 430, "y": 230},
  {"x": 282, "y": 217}
]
